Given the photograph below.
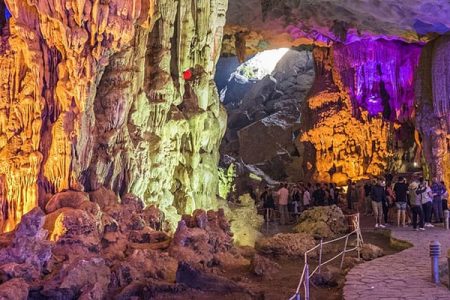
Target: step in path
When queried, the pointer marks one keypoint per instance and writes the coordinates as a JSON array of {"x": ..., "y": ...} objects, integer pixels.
[{"x": 404, "y": 275}]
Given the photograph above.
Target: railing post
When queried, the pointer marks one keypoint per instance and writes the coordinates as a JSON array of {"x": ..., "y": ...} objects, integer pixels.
[
  {"x": 297, "y": 296},
  {"x": 320, "y": 254},
  {"x": 306, "y": 282},
  {"x": 343, "y": 253}
]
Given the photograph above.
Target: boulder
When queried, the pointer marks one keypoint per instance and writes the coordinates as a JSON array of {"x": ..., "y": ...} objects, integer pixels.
[
  {"x": 80, "y": 279},
  {"x": 264, "y": 267},
  {"x": 254, "y": 139},
  {"x": 322, "y": 222},
  {"x": 14, "y": 289},
  {"x": 73, "y": 199},
  {"x": 286, "y": 244},
  {"x": 28, "y": 252},
  {"x": 141, "y": 265},
  {"x": 74, "y": 225},
  {"x": 104, "y": 197},
  {"x": 201, "y": 236},
  {"x": 329, "y": 276},
  {"x": 370, "y": 251}
]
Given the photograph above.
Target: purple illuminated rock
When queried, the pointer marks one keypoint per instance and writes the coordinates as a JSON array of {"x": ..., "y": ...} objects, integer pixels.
[{"x": 379, "y": 76}]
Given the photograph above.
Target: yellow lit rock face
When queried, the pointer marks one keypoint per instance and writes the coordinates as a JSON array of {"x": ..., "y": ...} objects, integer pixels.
[
  {"x": 92, "y": 94},
  {"x": 345, "y": 147},
  {"x": 245, "y": 221}
]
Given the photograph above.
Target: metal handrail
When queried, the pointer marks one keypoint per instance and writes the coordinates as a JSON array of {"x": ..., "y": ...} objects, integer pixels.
[{"x": 305, "y": 273}]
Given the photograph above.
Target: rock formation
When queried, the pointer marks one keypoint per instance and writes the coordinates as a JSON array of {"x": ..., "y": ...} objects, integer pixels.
[
  {"x": 360, "y": 111},
  {"x": 322, "y": 222},
  {"x": 118, "y": 252},
  {"x": 433, "y": 102},
  {"x": 263, "y": 98},
  {"x": 367, "y": 66},
  {"x": 93, "y": 94}
]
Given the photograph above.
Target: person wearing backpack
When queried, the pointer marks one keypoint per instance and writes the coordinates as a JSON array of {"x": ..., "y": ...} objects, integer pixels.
[
  {"x": 426, "y": 198},
  {"x": 401, "y": 197}
]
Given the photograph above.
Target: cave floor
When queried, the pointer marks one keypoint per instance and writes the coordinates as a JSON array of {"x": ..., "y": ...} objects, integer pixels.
[
  {"x": 404, "y": 275},
  {"x": 284, "y": 284}
]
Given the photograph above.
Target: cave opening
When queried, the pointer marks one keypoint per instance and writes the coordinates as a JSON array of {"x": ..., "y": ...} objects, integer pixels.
[{"x": 263, "y": 97}]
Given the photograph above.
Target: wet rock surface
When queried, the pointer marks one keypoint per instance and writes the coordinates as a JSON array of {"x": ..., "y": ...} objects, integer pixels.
[{"x": 370, "y": 252}]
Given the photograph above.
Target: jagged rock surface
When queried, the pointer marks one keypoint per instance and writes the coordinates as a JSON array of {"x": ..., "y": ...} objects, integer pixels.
[
  {"x": 285, "y": 23},
  {"x": 433, "y": 101},
  {"x": 285, "y": 244},
  {"x": 322, "y": 222},
  {"x": 116, "y": 252},
  {"x": 244, "y": 220},
  {"x": 93, "y": 94},
  {"x": 264, "y": 110}
]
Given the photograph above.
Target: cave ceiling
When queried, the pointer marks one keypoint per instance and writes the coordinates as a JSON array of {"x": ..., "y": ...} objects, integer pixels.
[{"x": 285, "y": 22}]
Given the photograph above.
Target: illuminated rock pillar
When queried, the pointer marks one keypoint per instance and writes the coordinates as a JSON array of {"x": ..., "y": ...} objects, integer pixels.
[
  {"x": 92, "y": 94},
  {"x": 433, "y": 106},
  {"x": 363, "y": 93}
]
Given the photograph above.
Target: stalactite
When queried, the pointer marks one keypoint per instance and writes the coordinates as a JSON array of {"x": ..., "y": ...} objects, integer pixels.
[
  {"x": 90, "y": 99},
  {"x": 432, "y": 100}
]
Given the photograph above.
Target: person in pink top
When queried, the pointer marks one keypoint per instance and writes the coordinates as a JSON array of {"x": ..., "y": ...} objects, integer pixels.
[{"x": 283, "y": 197}]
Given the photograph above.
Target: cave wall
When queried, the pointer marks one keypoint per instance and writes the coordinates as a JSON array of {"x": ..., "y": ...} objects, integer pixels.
[
  {"x": 433, "y": 106},
  {"x": 92, "y": 94},
  {"x": 359, "y": 116}
]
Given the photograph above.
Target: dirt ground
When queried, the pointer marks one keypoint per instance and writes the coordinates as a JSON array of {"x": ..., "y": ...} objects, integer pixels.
[{"x": 284, "y": 284}]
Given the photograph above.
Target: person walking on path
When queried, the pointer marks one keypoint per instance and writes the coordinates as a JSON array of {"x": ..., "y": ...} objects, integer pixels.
[
  {"x": 367, "y": 199},
  {"x": 283, "y": 200},
  {"x": 307, "y": 196},
  {"x": 268, "y": 204},
  {"x": 349, "y": 195},
  {"x": 445, "y": 197},
  {"x": 438, "y": 191},
  {"x": 378, "y": 196},
  {"x": 401, "y": 197},
  {"x": 416, "y": 207},
  {"x": 318, "y": 195},
  {"x": 426, "y": 198},
  {"x": 389, "y": 201}
]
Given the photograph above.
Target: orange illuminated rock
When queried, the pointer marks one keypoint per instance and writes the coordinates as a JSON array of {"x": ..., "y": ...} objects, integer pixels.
[{"x": 345, "y": 146}]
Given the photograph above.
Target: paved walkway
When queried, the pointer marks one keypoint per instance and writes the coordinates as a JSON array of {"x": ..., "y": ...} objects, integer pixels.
[{"x": 404, "y": 275}]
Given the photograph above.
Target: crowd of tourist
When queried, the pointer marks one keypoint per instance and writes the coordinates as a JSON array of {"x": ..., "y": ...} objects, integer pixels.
[
  {"x": 417, "y": 201},
  {"x": 291, "y": 199},
  {"x": 414, "y": 202}
]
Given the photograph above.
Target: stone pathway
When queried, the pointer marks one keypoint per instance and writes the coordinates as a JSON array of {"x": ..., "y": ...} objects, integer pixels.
[{"x": 404, "y": 275}]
